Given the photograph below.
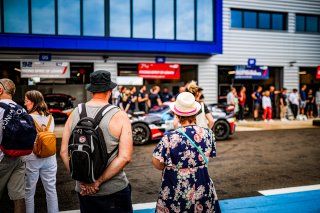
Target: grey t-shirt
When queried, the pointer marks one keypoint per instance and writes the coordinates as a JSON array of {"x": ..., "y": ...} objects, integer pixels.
[{"x": 119, "y": 181}]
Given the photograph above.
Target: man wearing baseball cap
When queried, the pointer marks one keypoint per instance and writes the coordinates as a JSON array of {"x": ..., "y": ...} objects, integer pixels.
[{"x": 111, "y": 192}]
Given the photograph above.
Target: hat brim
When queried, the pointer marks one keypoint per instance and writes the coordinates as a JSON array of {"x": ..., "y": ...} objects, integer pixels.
[
  {"x": 101, "y": 88},
  {"x": 191, "y": 112}
]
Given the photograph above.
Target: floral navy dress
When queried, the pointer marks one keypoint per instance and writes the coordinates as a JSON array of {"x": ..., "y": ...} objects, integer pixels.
[{"x": 186, "y": 185}]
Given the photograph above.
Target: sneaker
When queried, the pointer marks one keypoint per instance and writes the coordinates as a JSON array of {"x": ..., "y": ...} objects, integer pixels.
[
  {"x": 244, "y": 121},
  {"x": 265, "y": 120}
]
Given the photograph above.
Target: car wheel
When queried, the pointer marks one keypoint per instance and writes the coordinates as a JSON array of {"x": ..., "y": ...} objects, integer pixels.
[
  {"x": 221, "y": 130},
  {"x": 140, "y": 133}
]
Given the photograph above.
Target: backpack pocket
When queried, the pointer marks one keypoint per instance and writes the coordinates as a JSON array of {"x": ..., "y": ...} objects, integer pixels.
[{"x": 80, "y": 158}]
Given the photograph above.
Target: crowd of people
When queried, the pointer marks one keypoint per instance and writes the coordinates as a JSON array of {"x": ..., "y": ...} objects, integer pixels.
[
  {"x": 267, "y": 102},
  {"x": 182, "y": 154},
  {"x": 130, "y": 100},
  {"x": 177, "y": 155}
]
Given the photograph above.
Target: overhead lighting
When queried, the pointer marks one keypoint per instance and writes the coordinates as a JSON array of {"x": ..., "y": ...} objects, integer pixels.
[
  {"x": 302, "y": 72},
  {"x": 232, "y": 72},
  {"x": 17, "y": 69}
]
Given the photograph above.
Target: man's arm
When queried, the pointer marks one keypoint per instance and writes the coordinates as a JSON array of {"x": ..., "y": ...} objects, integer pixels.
[
  {"x": 65, "y": 141},
  {"x": 124, "y": 155}
]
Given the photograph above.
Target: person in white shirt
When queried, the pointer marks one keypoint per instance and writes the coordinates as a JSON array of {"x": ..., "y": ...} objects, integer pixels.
[
  {"x": 45, "y": 167},
  {"x": 231, "y": 97},
  {"x": 294, "y": 102},
  {"x": 267, "y": 106}
]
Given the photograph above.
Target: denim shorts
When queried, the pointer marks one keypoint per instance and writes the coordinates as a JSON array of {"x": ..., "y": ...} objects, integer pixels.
[{"x": 119, "y": 202}]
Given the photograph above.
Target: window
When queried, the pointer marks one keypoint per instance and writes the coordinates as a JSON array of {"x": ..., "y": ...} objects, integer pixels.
[
  {"x": 250, "y": 19},
  {"x": 312, "y": 24},
  {"x": 277, "y": 21},
  {"x": 204, "y": 20},
  {"x": 120, "y": 18},
  {"x": 258, "y": 19},
  {"x": 93, "y": 18},
  {"x": 164, "y": 19},
  {"x": 142, "y": 19},
  {"x": 236, "y": 18},
  {"x": 16, "y": 16},
  {"x": 307, "y": 23},
  {"x": 69, "y": 17},
  {"x": 43, "y": 17},
  {"x": 300, "y": 23},
  {"x": 185, "y": 20},
  {"x": 264, "y": 20}
]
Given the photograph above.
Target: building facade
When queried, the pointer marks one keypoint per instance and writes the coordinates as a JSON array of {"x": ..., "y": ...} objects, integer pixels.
[{"x": 207, "y": 38}]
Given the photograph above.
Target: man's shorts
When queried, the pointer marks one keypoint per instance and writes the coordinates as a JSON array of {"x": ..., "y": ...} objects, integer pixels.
[
  {"x": 12, "y": 173},
  {"x": 257, "y": 106},
  {"x": 303, "y": 104}
]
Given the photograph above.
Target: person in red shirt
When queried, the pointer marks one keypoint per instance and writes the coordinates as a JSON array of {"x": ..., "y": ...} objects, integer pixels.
[{"x": 242, "y": 102}]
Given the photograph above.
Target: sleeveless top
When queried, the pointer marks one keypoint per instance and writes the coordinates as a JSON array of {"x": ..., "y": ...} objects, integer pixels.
[{"x": 119, "y": 181}]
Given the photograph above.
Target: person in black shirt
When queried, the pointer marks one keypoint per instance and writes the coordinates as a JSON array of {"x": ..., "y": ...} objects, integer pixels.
[
  {"x": 166, "y": 96},
  {"x": 125, "y": 101},
  {"x": 310, "y": 102},
  {"x": 142, "y": 99},
  {"x": 154, "y": 98},
  {"x": 133, "y": 97}
]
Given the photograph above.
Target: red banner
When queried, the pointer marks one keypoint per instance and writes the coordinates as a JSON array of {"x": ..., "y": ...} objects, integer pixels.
[
  {"x": 318, "y": 73},
  {"x": 159, "y": 71}
]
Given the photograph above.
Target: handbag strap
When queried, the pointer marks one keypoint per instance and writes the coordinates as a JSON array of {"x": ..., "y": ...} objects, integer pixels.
[{"x": 194, "y": 144}]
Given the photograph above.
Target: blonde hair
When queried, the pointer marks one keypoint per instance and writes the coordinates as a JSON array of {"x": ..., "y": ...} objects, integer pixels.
[
  {"x": 193, "y": 88},
  {"x": 126, "y": 95}
]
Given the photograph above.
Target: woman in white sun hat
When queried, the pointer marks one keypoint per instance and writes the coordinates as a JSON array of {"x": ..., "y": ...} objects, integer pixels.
[{"x": 183, "y": 156}]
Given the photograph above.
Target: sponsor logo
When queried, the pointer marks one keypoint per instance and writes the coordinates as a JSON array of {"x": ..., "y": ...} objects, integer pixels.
[{"x": 82, "y": 139}]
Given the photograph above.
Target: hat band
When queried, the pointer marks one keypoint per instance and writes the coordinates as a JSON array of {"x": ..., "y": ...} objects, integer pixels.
[{"x": 175, "y": 108}]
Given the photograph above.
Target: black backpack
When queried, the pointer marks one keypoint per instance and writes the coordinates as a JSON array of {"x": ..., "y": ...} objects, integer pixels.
[
  {"x": 19, "y": 131},
  {"x": 88, "y": 154}
]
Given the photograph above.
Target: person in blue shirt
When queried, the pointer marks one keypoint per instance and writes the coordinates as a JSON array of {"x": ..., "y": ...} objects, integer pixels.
[
  {"x": 166, "y": 96},
  {"x": 257, "y": 100},
  {"x": 303, "y": 99}
]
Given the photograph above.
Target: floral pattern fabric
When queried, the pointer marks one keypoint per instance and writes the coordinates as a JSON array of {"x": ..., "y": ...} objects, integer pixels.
[{"x": 186, "y": 185}]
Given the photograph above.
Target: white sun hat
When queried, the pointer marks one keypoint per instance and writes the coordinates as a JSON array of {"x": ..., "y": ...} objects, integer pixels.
[{"x": 185, "y": 105}]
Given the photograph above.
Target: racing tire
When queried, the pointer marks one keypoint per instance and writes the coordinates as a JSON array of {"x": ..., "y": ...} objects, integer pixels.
[
  {"x": 140, "y": 133},
  {"x": 221, "y": 130}
]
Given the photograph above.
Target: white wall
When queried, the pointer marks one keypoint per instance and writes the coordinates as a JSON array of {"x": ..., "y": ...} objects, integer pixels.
[{"x": 272, "y": 48}]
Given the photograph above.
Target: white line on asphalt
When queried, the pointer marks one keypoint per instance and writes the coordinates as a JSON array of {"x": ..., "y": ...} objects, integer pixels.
[
  {"x": 139, "y": 206},
  {"x": 290, "y": 190}
]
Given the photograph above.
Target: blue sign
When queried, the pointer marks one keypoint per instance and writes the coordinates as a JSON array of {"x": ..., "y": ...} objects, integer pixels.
[
  {"x": 252, "y": 62},
  {"x": 45, "y": 57},
  {"x": 252, "y": 72},
  {"x": 160, "y": 59}
]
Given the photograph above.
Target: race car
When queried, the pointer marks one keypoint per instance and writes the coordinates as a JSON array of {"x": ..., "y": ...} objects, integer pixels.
[
  {"x": 59, "y": 105},
  {"x": 153, "y": 125}
]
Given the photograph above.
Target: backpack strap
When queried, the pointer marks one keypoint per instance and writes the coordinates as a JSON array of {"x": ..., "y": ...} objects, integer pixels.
[
  {"x": 49, "y": 123},
  {"x": 82, "y": 110},
  {"x": 47, "y": 127},
  {"x": 37, "y": 125},
  {"x": 102, "y": 112}
]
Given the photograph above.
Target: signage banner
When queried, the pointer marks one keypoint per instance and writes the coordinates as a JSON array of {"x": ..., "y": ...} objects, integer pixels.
[
  {"x": 159, "y": 71},
  {"x": 252, "y": 72},
  {"x": 129, "y": 80},
  {"x": 45, "y": 69},
  {"x": 318, "y": 73}
]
